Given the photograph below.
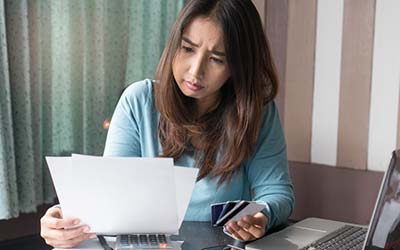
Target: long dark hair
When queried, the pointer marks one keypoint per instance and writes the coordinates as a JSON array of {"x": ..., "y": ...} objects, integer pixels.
[{"x": 231, "y": 130}]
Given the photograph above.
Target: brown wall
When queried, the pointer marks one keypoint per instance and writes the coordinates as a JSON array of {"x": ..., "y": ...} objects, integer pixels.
[
  {"x": 346, "y": 191},
  {"x": 346, "y": 130},
  {"x": 334, "y": 193}
]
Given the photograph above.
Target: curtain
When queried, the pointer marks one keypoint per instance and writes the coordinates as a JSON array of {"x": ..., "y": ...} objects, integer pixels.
[{"x": 63, "y": 66}]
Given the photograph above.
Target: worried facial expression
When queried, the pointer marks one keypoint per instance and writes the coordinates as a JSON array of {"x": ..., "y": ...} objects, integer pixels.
[{"x": 199, "y": 67}]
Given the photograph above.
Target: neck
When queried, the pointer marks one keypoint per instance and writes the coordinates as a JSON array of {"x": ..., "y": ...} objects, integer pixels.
[{"x": 207, "y": 106}]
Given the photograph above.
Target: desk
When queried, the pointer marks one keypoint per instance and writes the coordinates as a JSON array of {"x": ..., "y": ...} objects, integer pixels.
[{"x": 196, "y": 236}]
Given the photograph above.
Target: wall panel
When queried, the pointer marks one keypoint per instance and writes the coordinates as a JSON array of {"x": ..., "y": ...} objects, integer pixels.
[
  {"x": 355, "y": 85},
  {"x": 299, "y": 78},
  {"x": 327, "y": 82},
  {"x": 277, "y": 34},
  {"x": 385, "y": 85}
]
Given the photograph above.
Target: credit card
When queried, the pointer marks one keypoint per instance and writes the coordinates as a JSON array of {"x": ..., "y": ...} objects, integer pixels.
[
  {"x": 216, "y": 210},
  {"x": 227, "y": 207},
  {"x": 251, "y": 209},
  {"x": 236, "y": 209}
]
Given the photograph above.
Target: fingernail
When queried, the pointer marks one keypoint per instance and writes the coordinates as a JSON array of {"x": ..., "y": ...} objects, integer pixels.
[
  {"x": 76, "y": 222},
  {"x": 235, "y": 227},
  {"x": 242, "y": 224},
  {"x": 246, "y": 218},
  {"x": 92, "y": 236},
  {"x": 86, "y": 230}
]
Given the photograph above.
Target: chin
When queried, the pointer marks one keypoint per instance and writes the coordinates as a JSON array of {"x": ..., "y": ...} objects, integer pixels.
[{"x": 190, "y": 93}]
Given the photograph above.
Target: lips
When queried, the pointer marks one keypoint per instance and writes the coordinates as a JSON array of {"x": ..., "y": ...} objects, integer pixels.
[{"x": 193, "y": 86}]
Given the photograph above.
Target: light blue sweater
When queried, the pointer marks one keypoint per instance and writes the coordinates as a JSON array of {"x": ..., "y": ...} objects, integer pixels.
[{"x": 263, "y": 178}]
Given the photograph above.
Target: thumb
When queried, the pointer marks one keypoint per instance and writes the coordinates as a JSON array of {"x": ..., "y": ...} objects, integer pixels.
[{"x": 55, "y": 212}]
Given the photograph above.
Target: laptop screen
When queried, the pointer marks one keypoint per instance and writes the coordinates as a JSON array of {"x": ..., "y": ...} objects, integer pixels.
[{"x": 384, "y": 232}]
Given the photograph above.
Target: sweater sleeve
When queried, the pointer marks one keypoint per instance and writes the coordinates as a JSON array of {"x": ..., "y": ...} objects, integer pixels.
[
  {"x": 123, "y": 137},
  {"x": 268, "y": 172}
]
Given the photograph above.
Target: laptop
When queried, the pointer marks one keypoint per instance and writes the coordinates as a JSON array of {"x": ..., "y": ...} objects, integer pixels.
[{"x": 315, "y": 233}]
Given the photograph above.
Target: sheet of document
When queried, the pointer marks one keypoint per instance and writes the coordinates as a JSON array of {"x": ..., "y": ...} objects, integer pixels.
[
  {"x": 185, "y": 179},
  {"x": 123, "y": 195}
]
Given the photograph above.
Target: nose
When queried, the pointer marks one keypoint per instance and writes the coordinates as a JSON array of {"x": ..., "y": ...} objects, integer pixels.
[{"x": 197, "y": 67}]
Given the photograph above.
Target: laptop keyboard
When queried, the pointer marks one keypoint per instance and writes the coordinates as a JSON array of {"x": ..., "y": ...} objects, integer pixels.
[
  {"x": 143, "y": 241},
  {"x": 345, "y": 238}
]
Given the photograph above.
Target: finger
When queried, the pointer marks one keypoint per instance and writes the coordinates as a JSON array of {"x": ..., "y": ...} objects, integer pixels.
[
  {"x": 231, "y": 228},
  {"x": 244, "y": 224},
  {"x": 255, "y": 225},
  {"x": 63, "y": 234},
  {"x": 246, "y": 236},
  {"x": 54, "y": 212},
  {"x": 69, "y": 234},
  {"x": 57, "y": 223},
  {"x": 239, "y": 232},
  {"x": 232, "y": 231},
  {"x": 256, "y": 232},
  {"x": 237, "y": 236},
  {"x": 53, "y": 219},
  {"x": 258, "y": 220},
  {"x": 243, "y": 235},
  {"x": 251, "y": 220}
]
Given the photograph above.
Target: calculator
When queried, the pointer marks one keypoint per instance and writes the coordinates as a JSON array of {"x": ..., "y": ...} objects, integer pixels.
[{"x": 143, "y": 242}]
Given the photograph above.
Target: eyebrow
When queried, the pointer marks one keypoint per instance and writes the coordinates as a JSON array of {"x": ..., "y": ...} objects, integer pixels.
[{"x": 216, "y": 52}]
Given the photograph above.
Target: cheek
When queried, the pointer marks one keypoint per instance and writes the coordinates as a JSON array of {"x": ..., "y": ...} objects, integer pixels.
[
  {"x": 177, "y": 67},
  {"x": 221, "y": 78}
]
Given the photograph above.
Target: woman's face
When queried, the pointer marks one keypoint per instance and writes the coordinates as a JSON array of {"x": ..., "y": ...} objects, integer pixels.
[{"x": 199, "y": 67}]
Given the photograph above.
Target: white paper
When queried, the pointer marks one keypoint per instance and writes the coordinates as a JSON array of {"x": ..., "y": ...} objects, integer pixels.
[
  {"x": 123, "y": 195},
  {"x": 185, "y": 179}
]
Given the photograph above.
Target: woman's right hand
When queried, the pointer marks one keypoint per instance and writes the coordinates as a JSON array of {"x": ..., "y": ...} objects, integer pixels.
[{"x": 57, "y": 232}]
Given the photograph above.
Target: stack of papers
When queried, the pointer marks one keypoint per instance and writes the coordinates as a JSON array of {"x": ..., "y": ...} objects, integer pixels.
[{"x": 122, "y": 195}]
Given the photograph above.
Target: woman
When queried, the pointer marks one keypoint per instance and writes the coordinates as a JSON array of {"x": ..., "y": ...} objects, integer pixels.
[{"x": 210, "y": 107}]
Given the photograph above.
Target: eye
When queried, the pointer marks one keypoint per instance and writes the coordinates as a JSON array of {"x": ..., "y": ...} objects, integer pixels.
[
  {"x": 187, "y": 49},
  {"x": 217, "y": 60}
]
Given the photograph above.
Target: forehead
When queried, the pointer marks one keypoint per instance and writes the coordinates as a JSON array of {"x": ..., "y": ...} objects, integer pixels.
[{"x": 204, "y": 31}]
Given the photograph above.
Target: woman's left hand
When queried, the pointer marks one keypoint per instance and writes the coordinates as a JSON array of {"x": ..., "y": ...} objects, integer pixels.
[{"x": 249, "y": 227}]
